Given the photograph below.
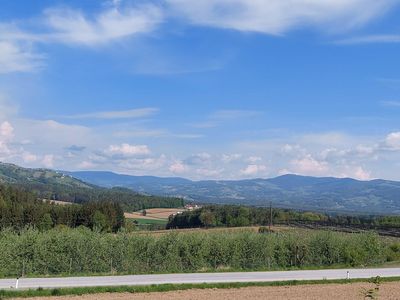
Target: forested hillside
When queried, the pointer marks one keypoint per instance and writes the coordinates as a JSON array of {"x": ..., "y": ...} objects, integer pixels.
[
  {"x": 54, "y": 185},
  {"x": 19, "y": 209}
]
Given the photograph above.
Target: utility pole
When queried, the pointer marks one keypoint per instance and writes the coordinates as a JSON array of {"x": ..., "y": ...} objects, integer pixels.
[{"x": 270, "y": 215}]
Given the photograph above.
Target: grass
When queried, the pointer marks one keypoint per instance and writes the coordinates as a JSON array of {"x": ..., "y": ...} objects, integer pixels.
[
  {"x": 6, "y": 294},
  {"x": 391, "y": 264},
  {"x": 150, "y": 221}
]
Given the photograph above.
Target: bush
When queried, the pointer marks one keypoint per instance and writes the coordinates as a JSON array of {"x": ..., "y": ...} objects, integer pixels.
[{"x": 82, "y": 251}]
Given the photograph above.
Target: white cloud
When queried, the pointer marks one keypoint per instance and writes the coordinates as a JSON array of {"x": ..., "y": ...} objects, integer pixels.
[
  {"x": 28, "y": 157},
  {"x": 393, "y": 140},
  {"x": 73, "y": 27},
  {"x": 7, "y": 149},
  {"x": 48, "y": 161},
  {"x": 178, "y": 167},
  {"x": 309, "y": 166},
  {"x": 122, "y": 114},
  {"x": 86, "y": 165},
  {"x": 327, "y": 138},
  {"x": 206, "y": 173},
  {"x": 279, "y": 16},
  {"x": 6, "y": 134},
  {"x": 143, "y": 165},
  {"x": 253, "y": 159},
  {"x": 357, "y": 173},
  {"x": 362, "y": 174},
  {"x": 227, "y": 158},
  {"x": 127, "y": 150},
  {"x": 253, "y": 170},
  {"x": 16, "y": 58},
  {"x": 45, "y": 133},
  {"x": 6, "y": 131}
]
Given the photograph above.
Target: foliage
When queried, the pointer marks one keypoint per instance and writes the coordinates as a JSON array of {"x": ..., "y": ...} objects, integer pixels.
[
  {"x": 82, "y": 251},
  {"x": 19, "y": 208},
  {"x": 236, "y": 216}
]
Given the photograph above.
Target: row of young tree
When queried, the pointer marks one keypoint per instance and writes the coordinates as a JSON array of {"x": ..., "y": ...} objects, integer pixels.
[
  {"x": 82, "y": 251},
  {"x": 20, "y": 209},
  {"x": 237, "y": 216}
]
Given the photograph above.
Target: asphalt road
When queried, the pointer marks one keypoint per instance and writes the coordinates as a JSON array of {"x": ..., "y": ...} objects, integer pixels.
[{"x": 25, "y": 283}]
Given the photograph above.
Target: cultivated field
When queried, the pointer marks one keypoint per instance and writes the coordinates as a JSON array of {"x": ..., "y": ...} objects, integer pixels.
[
  {"x": 153, "y": 214},
  {"x": 352, "y": 291}
]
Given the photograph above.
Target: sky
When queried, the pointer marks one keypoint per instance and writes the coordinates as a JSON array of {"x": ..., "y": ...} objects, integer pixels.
[{"x": 211, "y": 89}]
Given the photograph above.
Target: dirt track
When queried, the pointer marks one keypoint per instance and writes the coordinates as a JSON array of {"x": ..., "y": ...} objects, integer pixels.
[{"x": 318, "y": 292}]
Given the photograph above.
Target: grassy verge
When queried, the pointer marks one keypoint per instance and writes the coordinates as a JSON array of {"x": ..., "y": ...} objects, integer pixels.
[
  {"x": 392, "y": 264},
  {"x": 4, "y": 294}
]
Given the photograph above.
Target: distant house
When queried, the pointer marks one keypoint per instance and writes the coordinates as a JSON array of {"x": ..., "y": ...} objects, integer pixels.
[{"x": 192, "y": 206}]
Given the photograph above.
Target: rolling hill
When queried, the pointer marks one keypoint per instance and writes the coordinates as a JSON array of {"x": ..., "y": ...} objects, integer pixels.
[
  {"x": 289, "y": 191},
  {"x": 57, "y": 185}
]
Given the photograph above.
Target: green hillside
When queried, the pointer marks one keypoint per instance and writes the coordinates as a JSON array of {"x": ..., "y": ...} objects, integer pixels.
[{"x": 55, "y": 185}]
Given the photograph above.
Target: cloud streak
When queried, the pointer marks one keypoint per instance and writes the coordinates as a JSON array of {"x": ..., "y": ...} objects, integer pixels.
[
  {"x": 73, "y": 27},
  {"x": 119, "y": 20},
  {"x": 277, "y": 17},
  {"x": 220, "y": 117},
  {"x": 15, "y": 57},
  {"x": 369, "y": 39},
  {"x": 391, "y": 103},
  {"x": 121, "y": 114}
]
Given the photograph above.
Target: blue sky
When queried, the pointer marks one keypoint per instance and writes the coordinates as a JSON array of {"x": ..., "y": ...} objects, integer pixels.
[{"x": 211, "y": 89}]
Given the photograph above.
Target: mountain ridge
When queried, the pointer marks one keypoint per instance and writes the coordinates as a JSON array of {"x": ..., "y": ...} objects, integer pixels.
[
  {"x": 58, "y": 185},
  {"x": 290, "y": 190}
]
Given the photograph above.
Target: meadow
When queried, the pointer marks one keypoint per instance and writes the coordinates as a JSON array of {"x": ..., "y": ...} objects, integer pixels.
[{"x": 154, "y": 218}]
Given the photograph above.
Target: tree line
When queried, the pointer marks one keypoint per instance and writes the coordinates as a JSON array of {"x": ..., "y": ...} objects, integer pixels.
[
  {"x": 237, "y": 216},
  {"x": 20, "y": 208}
]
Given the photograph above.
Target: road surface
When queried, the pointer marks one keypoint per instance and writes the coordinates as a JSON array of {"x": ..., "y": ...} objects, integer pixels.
[{"x": 64, "y": 282}]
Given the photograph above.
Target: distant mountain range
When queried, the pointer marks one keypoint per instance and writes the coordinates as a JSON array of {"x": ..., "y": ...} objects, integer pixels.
[{"x": 290, "y": 191}]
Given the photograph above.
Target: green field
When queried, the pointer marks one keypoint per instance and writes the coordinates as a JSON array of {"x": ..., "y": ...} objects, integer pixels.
[{"x": 148, "y": 221}]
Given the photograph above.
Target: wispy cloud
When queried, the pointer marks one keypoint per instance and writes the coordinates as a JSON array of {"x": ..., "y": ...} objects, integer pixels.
[
  {"x": 73, "y": 27},
  {"x": 155, "y": 133},
  {"x": 391, "y": 103},
  {"x": 369, "y": 39},
  {"x": 278, "y": 17},
  {"x": 393, "y": 83},
  {"x": 75, "y": 148},
  {"x": 15, "y": 57},
  {"x": 221, "y": 116},
  {"x": 122, "y": 114},
  {"x": 122, "y": 20},
  {"x": 64, "y": 25}
]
